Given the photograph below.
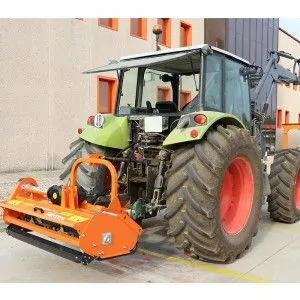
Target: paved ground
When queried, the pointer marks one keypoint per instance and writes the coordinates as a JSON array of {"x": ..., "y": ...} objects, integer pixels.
[{"x": 273, "y": 256}]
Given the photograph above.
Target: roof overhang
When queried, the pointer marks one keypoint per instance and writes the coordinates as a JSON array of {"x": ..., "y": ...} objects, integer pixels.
[
  {"x": 146, "y": 61},
  {"x": 160, "y": 57}
]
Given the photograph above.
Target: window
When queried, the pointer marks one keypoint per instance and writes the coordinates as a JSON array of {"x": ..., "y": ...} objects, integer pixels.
[
  {"x": 106, "y": 93},
  {"x": 163, "y": 93},
  {"x": 129, "y": 86},
  {"x": 185, "y": 34},
  {"x": 185, "y": 97},
  {"x": 287, "y": 117},
  {"x": 165, "y": 37},
  {"x": 213, "y": 84},
  {"x": 189, "y": 92},
  {"x": 138, "y": 28},
  {"x": 156, "y": 87},
  {"x": 279, "y": 118},
  {"x": 111, "y": 23},
  {"x": 237, "y": 100}
]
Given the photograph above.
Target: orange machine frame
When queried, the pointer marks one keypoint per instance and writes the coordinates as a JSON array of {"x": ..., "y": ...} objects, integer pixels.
[
  {"x": 91, "y": 222},
  {"x": 286, "y": 129}
]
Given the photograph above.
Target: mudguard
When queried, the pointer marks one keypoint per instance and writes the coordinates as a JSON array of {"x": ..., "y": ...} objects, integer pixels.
[
  {"x": 193, "y": 131},
  {"x": 113, "y": 134}
]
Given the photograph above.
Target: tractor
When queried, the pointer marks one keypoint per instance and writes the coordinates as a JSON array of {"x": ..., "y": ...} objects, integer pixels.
[{"x": 190, "y": 137}]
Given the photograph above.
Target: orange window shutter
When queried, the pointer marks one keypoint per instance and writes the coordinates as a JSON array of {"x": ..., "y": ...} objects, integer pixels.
[
  {"x": 287, "y": 117},
  {"x": 111, "y": 23},
  {"x": 185, "y": 34},
  {"x": 279, "y": 118},
  {"x": 138, "y": 27},
  {"x": 106, "y": 94},
  {"x": 165, "y": 37}
]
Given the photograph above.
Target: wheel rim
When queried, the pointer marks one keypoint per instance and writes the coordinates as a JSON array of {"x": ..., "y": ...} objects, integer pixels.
[
  {"x": 297, "y": 191},
  {"x": 236, "y": 195}
]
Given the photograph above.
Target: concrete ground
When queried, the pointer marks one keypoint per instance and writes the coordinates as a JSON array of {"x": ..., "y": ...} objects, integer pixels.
[{"x": 273, "y": 256}]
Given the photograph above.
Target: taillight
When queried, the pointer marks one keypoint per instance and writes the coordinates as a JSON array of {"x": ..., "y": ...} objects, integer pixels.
[
  {"x": 91, "y": 120},
  {"x": 200, "y": 119},
  {"x": 193, "y": 133}
]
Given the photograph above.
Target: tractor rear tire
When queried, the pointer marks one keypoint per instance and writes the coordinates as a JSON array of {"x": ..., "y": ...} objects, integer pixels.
[
  {"x": 91, "y": 178},
  {"x": 284, "y": 201},
  {"x": 214, "y": 195}
]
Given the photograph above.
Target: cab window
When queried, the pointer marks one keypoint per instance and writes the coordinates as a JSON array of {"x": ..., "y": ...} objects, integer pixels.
[
  {"x": 237, "y": 100},
  {"x": 213, "y": 84}
]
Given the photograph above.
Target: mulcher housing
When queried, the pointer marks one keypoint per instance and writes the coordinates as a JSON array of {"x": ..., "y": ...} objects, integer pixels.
[{"x": 99, "y": 232}]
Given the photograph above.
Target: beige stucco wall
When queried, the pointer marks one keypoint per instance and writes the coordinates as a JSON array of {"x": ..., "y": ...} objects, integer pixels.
[
  {"x": 44, "y": 97},
  {"x": 288, "y": 99}
]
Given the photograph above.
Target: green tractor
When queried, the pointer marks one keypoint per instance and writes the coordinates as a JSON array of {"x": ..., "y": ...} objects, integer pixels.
[{"x": 189, "y": 139}]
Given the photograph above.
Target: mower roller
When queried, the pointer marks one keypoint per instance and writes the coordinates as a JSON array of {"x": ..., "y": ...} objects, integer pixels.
[{"x": 62, "y": 214}]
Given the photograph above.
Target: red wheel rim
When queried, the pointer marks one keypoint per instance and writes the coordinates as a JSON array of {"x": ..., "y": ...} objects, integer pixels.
[
  {"x": 297, "y": 191},
  {"x": 236, "y": 195}
]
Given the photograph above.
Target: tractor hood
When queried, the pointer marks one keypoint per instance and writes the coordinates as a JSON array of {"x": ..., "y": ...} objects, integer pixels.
[{"x": 113, "y": 133}]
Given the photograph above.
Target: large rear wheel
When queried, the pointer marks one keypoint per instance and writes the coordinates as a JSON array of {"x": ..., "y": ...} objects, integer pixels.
[
  {"x": 94, "y": 180},
  {"x": 214, "y": 195},
  {"x": 284, "y": 201}
]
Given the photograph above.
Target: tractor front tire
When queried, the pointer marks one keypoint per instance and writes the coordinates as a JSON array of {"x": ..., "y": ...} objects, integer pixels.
[
  {"x": 91, "y": 178},
  {"x": 284, "y": 201},
  {"x": 214, "y": 195}
]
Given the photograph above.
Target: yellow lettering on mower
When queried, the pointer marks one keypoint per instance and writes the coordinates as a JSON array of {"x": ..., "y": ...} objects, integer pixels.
[
  {"x": 77, "y": 219},
  {"x": 14, "y": 202},
  {"x": 66, "y": 214},
  {"x": 73, "y": 218}
]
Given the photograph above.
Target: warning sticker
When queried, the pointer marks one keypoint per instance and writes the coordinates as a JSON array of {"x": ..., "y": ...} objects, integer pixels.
[
  {"x": 66, "y": 214},
  {"x": 55, "y": 216}
]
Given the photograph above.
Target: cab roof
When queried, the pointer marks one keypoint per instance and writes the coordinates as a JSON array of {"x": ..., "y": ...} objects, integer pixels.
[
  {"x": 183, "y": 49},
  {"x": 163, "y": 59}
]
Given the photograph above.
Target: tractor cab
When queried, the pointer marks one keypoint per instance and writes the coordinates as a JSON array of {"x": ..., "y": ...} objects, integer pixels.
[{"x": 181, "y": 81}]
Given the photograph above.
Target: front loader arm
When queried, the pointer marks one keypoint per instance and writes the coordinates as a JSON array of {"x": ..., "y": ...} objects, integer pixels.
[{"x": 275, "y": 73}]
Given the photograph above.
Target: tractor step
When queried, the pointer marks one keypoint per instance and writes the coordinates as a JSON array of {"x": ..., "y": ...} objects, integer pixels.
[{"x": 57, "y": 249}]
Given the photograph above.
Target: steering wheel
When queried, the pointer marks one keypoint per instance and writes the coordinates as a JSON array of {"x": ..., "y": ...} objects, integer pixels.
[{"x": 149, "y": 107}]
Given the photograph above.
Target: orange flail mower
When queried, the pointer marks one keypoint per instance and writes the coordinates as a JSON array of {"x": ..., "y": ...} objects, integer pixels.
[{"x": 60, "y": 213}]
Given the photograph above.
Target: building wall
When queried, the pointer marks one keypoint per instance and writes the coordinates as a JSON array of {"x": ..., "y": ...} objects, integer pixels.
[
  {"x": 44, "y": 96},
  {"x": 215, "y": 32},
  {"x": 289, "y": 96},
  {"x": 252, "y": 38}
]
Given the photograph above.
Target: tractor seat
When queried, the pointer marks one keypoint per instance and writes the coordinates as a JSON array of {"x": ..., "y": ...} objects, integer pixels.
[{"x": 166, "y": 107}]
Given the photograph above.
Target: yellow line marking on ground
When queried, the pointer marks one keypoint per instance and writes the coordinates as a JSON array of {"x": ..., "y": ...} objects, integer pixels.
[
  {"x": 284, "y": 227},
  {"x": 203, "y": 266}
]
